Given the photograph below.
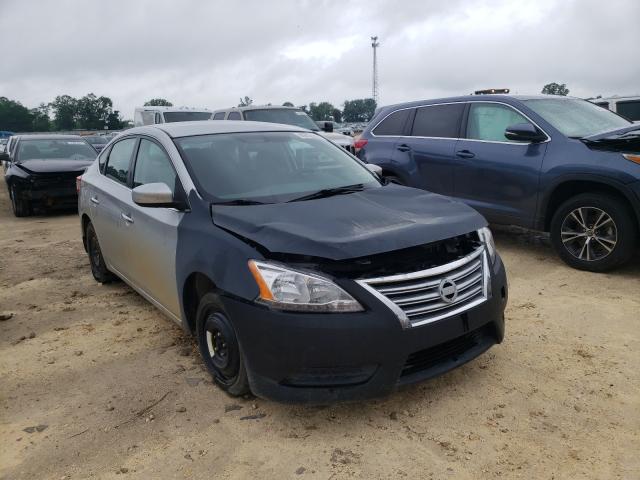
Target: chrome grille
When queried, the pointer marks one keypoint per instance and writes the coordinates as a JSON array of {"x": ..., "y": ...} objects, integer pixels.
[{"x": 421, "y": 297}]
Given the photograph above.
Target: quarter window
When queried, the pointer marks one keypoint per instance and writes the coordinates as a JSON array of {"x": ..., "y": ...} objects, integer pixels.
[
  {"x": 120, "y": 160},
  {"x": 488, "y": 121},
  {"x": 234, "y": 116},
  {"x": 219, "y": 116},
  {"x": 153, "y": 166},
  {"x": 394, "y": 124},
  {"x": 438, "y": 121}
]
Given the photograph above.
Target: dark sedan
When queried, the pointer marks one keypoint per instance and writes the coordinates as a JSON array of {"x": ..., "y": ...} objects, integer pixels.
[{"x": 43, "y": 169}]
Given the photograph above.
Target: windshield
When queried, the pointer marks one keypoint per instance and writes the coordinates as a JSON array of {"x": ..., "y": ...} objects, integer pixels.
[
  {"x": 96, "y": 140},
  {"x": 269, "y": 167},
  {"x": 576, "y": 118},
  {"x": 68, "y": 149},
  {"x": 170, "y": 117},
  {"x": 287, "y": 116}
]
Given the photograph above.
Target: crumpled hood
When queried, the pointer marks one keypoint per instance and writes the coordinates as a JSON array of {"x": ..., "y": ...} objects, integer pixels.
[
  {"x": 54, "y": 165},
  {"x": 618, "y": 131},
  {"x": 338, "y": 138},
  {"x": 353, "y": 225}
]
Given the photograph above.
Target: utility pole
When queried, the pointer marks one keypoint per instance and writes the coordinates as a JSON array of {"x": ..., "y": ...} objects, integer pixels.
[{"x": 374, "y": 90}]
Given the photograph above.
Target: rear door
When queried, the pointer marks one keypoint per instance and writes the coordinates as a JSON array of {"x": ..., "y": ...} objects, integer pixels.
[
  {"x": 153, "y": 231},
  {"x": 497, "y": 176},
  {"x": 382, "y": 140},
  {"x": 427, "y": 151},
  {"x": 108, "y": 198}
]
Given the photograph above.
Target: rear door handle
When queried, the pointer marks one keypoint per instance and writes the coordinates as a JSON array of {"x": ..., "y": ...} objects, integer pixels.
[
  {"x": 95, "y": 200},
  {"x": 126, "y": 218},
  {"x": 404, "y": 147},
  {"x": 465, "y": 154}
]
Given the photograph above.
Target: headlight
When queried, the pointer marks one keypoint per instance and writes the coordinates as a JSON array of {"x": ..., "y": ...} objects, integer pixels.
[
  {"x": 292, "y": 290},
  {"x": 486, "y": 237}
]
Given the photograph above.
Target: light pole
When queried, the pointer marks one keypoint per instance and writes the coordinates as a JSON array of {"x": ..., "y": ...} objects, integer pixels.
[{"x": 374, "y": 89}]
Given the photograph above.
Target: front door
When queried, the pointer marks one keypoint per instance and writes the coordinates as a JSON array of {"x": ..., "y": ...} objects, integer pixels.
[{"x": 497, "y": 176}]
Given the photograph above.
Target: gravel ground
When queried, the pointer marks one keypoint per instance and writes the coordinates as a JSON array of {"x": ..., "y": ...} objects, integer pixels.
[{"x": 97, "y": 383}]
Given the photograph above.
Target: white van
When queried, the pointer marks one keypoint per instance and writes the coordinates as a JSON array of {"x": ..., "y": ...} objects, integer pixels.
[
  {"x": 154, "y": 115},
  {"x": 628, "y": 107}
]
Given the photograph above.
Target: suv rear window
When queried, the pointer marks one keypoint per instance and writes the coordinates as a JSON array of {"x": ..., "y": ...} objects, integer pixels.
[
  {"x": 394, "y": 124},
  {"x": 438, "y": 121}
]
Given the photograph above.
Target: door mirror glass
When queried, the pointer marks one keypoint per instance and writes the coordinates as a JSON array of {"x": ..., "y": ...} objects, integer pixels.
[
  {"x": 524, "y": 132},
  {"x": 374, "y": 169},
  {"x": 153, "y": 195}
]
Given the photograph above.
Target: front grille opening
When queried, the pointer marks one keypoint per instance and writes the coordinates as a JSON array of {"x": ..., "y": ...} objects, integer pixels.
[
  {"x": 449, "y": 352},
  {"x": 329, "y": 377}
]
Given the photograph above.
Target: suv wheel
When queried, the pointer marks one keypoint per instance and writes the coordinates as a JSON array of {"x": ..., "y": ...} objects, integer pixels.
[
  {"x": 594, "y": 232},
  {"x": 99, "y": 269},
  {"x": 219, "y": 347},
  {"x": 21, "y": 207}
]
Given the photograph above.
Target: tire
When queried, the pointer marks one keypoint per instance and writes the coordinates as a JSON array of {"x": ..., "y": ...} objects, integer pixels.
[
  {"x": 21, "y": 207},
  {"x": 594, "y": 232},
  {"x": 99, "y": 269},
  {"x": 219, "y": 347}
]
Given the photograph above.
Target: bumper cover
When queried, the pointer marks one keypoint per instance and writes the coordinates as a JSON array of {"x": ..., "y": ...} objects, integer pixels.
[{"x": 324, "y": 358}]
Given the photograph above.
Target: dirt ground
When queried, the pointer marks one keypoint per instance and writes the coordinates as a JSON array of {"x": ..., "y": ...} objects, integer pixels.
[{"x": 97, "y": 383}]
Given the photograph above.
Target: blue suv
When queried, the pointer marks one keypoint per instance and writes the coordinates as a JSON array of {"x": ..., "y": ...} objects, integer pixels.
[{"x": 557, "y": 164}]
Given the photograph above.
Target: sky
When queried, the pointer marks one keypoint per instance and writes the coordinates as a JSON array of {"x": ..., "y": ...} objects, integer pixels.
[{"x": 210, "y": 53}]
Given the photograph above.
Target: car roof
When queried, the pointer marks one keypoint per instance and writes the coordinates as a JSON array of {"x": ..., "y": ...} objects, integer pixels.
[
  {"x": 257, "y": 107},
  {"x": 209, "y": 127},
  {"x": 475, "y": 98},
  {"x": 50, "y": 136}
]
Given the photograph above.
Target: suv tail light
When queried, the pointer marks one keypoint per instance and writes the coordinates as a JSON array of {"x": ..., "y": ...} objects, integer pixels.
[
  {"x": 360, "y": 143},
  {"x": 78, "y": 183}
]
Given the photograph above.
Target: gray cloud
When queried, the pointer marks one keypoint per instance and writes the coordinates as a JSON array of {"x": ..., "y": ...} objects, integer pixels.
[{"x": 211, "y": 53}]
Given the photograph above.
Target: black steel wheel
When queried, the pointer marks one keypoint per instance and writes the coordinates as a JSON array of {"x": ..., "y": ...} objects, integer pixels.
[
  {"x": 21, "y": 207},
  {"x": 99, "y": 269}
]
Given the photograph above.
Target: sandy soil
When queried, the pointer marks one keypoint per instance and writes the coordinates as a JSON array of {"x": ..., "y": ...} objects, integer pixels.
[{"x": 96, "y": 383}]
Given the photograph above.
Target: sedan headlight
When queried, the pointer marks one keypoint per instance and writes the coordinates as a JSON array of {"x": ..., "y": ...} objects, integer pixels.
[
  {"x": 288, "y": 289},
  {"x": 486, "y": 237}
]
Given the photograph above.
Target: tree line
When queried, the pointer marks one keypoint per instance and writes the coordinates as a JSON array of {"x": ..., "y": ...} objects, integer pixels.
[
  {"x": 63, "y": 113},
  {"x": 359, "y": 110}
]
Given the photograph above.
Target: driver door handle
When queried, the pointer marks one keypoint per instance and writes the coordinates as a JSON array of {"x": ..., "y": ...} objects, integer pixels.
[
  {"x": 126, "y": 218},
  {"x": 95, "y": 200},
  {"x": 465, "y": 154},
  {"x": 403, "y": 147}
]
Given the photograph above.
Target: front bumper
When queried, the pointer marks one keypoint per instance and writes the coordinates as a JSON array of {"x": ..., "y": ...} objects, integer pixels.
[
  {"x": 324, "y": 358},
  {"x": 61, "y": 197}
]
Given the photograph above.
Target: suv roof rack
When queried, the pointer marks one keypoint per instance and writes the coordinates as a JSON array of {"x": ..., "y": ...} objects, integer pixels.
[{"x": 491, "y": 91}]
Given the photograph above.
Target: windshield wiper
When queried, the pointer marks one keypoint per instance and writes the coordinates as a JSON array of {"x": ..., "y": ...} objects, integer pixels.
[
  {"x": 330, "y": 192},
  {"x": 240, "y": 201}
]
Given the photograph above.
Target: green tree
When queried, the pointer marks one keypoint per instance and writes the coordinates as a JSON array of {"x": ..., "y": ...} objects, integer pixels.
[
  {"x": 93, "y": 112},
  {"x": 321, "y": 111},
  {"x": 360, "y": 110},
  {"x": 158, "y": 102},
  {"x": 555, "y": 89},
  {"x": 115, "y": 121},
  {"x": 337, "y": 115},
  {"x": 41, "y": 121},
  {"x": 245, "y": 102},
  {"x": 65, "y": 111},
  {"x": 14, "y": 116},
  {"x": 287, "y": 104}
]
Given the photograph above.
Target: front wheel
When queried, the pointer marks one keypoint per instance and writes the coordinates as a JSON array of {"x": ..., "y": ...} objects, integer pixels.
[
  {"x": 220, "y": 348},
  {"x": 594, "y": 232},
  {"x": 21, "y": 207}
]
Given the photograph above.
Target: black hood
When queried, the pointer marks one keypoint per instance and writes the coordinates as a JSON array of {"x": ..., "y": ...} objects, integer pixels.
[
  {"x": 54, "y": 165},
  {"x": 353, "y": 225},
  {"x": 624, "y": 140}
]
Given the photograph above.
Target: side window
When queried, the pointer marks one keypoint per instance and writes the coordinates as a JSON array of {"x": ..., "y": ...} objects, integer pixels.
[
  {"x": 394, "y": 124},
  {"x": 630, "y": 109},
  {"x": 218, "y": 116},
  {"x": 120, "y": 160},
  {"x": 153, "y": 166},
  {"x": 438, "y": 121},
  {"x": 234, "y": 116},
  {"x": 102, "y": 159},
  {"x": 488, "y": 121}
]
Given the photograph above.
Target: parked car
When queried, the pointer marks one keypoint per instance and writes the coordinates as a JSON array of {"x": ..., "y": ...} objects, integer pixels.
[
  {"x": 42, "y": 171},
  {"x": 158, "y": 115},
  {"x": 628, "y": 107},
  {"x": 97, "y": 141},
  {"x": 557, "y": 164},
  {"x": 287, "y": 116},
  {"x": 303, "y": 277}
]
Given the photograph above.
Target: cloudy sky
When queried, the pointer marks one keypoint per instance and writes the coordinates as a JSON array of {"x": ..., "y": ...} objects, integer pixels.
[{"x": 210, "y": 53}]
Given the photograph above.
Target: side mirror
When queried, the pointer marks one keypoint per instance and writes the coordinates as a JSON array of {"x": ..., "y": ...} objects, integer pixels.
[
  {"x": 524, "y": 132},
  {"x": 326, "y": 126},
  {"x": 376, "y": 169},
  {"x": 153, "y": 195}
]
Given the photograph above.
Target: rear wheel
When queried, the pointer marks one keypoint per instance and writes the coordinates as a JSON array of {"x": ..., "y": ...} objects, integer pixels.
[
  {"x": 21, "y": 207},
  {"x": 594, "y": 232},
  {"x": 99, "y": 269},
  {"x": 220, "y": 348}
]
